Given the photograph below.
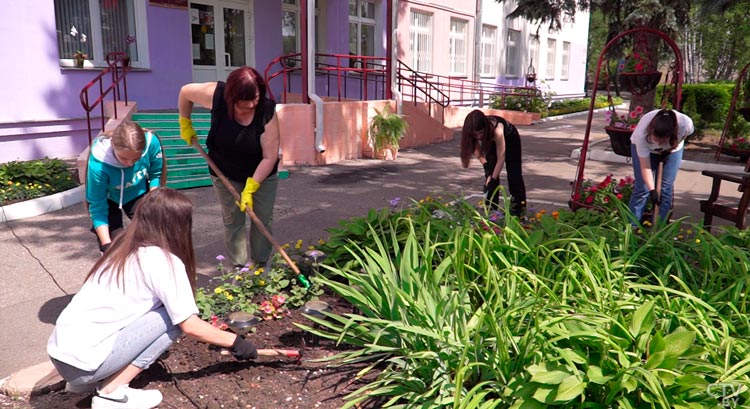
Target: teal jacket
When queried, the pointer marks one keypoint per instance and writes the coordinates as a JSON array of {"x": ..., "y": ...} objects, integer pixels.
[{"x": 105, "y": 176}]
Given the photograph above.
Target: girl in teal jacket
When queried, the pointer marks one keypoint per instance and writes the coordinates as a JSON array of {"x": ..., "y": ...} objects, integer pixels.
[{"x": 123, "y": 166}]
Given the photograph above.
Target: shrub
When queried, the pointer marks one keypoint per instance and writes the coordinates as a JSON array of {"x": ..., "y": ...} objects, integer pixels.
[
  {"x": 527, "y": 100},
  {"x": 24, "y": 180},
  {"x": 579, "y": 105}
]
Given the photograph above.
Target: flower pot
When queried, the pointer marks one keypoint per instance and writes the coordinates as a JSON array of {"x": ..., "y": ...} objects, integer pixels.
[
  {"x": 387, "y": 154},
  {"x": 639, "y": 83},
  {"x": 79, "y": 62},
  {"x": 619, "y": 138},
  {"x": 743, "y": 154},
  {"x": 745, "y": 112}
]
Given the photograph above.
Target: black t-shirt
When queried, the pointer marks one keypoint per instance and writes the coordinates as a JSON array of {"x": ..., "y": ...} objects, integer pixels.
[{"x": 236, "y": 149}]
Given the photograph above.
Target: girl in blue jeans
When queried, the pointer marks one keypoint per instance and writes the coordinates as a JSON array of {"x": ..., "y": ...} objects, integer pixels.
[
  {"x": 659, "y": 137},
  {"x": 135, "y": 301}
]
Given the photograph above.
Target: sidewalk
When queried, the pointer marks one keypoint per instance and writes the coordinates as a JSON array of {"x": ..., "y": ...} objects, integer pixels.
[{"x": 46, "y": 257}]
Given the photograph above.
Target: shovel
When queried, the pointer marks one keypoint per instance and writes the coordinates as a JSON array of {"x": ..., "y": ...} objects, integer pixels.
[
  {"x": 659, "y": 172},
  {"x": 256, "y": 221}
]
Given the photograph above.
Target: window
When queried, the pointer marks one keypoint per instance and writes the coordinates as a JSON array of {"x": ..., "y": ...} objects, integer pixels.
[
  {"x": 533, "y": 55},
  {"x": 290, "y": 27},
  {"x": 513, "y": 54},
  {"x": 98, "y": 27},
  {"x": 420, "y": 41},
  {"x": 550, "y": 71},
  {"x": 457, "y": 51},
  {"x": 565, "y": 60},
  {"x": 361, "y": 27},
  {"x": 487, "y": 58}
]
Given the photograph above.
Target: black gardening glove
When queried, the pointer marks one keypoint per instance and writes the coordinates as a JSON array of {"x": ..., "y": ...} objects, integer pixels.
[
  {"x": 104, "y": 247},
  {"x": 243, "y": 349},
  {"x": 654, "y": 195}
]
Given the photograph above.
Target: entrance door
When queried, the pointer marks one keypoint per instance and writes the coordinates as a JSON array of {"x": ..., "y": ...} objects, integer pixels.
[{"x": 221, "y": 38}]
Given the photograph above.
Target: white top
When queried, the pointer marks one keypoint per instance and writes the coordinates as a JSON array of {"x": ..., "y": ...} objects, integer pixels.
[
  {"x": 87, "y": 328},
  {"x": 639, "y": 137}
]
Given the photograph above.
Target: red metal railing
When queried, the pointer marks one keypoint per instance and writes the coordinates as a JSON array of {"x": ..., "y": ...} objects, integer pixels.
[
  {"x": 368, "y": 73},
  {"x": 118, "y": 71}
]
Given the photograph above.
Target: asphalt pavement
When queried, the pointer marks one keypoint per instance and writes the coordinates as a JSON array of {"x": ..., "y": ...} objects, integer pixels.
[{"x": 45, "y": 258}]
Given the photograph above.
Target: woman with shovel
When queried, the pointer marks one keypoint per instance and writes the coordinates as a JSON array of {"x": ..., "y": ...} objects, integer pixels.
[
  {"x": 243, "y": 142},
  {"x": 657, "y": 143},
  {"x": 134, "y": 303}
]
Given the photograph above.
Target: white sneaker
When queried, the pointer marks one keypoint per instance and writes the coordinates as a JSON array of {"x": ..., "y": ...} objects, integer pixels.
[
  {"x": 85, "y": 388},
  {"x": 125, "y": 397}
]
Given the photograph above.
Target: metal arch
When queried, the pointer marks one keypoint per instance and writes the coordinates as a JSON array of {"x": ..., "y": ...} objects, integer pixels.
[
  {"x": 574, "y": 205},
  {"x": 735, "y": 94}
]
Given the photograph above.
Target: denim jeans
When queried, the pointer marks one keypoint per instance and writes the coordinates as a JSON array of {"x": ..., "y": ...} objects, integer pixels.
[
  {"x": 640, "y": 192},
  {"x": 140, "y": 343},
  {"x": 235, "y": 234}
]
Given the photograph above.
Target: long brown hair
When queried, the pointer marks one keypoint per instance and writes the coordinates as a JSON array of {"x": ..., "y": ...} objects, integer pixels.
[
  {"x": 664, "y": 126},
  {"x": 163, "y": 218},
  {"x": 244, "y": 84},
  {"x": 475, "y": 121}
]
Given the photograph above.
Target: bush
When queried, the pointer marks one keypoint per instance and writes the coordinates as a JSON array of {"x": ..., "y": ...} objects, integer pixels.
[
  {"x": 707, "y": 104},
  {"x": 24, "y": 180},
  {"x": 527, "y": 100},
  {"x": 579, "y": 105}
]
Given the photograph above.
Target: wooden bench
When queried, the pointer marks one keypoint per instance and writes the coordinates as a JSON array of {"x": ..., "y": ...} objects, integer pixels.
[{"x": 736, "y": 213}]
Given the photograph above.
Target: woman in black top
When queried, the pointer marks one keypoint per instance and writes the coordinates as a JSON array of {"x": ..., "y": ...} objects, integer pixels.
[
  {"x": 244, "y": 143},
  {"x": 495, "y": 142}
]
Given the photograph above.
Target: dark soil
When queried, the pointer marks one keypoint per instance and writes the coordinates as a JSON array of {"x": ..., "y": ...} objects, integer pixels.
[{"x": 194, "y": 375}]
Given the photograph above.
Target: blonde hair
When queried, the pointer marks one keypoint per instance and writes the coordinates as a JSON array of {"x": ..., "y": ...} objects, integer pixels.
[{"x": 128, "y": 136}]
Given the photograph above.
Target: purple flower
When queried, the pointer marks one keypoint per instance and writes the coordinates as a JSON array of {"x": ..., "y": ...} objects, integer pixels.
[
  {"x": 219, "y": 258},
  {"x": 395, "y": 201}
]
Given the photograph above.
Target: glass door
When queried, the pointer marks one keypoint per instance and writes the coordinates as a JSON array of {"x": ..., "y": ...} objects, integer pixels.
[{"x": 220, "y": 37}]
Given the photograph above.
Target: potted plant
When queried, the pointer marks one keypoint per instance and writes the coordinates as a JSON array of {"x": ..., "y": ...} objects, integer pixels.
[
  {"x": 620, "y": 128},
  {"x": 637, "y": 73},
  {"x": 79, "y": 57},
  {"x": 386, "y": 130}
]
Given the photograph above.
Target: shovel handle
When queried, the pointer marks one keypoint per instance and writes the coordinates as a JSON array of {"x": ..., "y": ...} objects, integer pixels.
[
  {"x": 290, "y": 353},
  {"x": 248, "y": 210},
  {"x": 659, "y": 174}
]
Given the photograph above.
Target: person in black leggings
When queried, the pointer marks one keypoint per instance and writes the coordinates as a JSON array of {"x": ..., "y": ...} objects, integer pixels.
[{"x": 495, "y": 142}]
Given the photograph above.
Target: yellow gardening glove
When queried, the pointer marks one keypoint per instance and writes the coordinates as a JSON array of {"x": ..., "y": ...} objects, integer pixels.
[
  {"x": 187, "y": 133},
  {"x": 246, "y": 197}
]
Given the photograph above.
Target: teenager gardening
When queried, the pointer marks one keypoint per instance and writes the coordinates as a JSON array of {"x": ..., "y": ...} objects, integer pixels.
[{"x": 495, "y": 142}]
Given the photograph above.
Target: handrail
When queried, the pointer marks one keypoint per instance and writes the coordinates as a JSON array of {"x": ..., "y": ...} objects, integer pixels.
[
  {"x": 343, "y": 67},
  {"x": 414, "y": 79},
  {"x": 118, "y": 71}
]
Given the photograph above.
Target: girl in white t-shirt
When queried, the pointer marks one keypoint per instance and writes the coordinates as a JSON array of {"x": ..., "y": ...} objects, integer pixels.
[
  {"x": 134, "y": 303},
  {"x": 658, "y": 137}
]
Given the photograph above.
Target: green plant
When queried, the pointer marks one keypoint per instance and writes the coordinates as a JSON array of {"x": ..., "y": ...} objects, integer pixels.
[
  {"x": 386, "y": 129},
  {"x": 628, "y": 121},
  {"x": 24, "y": 180},
  {"x": 636, "y": 62},
  {"x": 603, "y": 194},
  {"x": 527, "y": 100}
]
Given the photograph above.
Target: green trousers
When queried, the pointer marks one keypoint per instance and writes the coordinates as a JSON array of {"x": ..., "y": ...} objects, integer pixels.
[{"x": 235, "y": 234}]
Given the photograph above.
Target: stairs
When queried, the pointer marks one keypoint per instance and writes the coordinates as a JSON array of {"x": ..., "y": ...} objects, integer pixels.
[{"x": 186, "y": 168}]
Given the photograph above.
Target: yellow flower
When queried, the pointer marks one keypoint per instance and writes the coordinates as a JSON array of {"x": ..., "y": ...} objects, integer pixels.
[
  {"x": 298, "y": 245},
  {"x": 311, "y": 247},
  {"x": 555, "y": 214},
  {"x": 646, "y": 223},
  {"x": 321, "y": 242},
  {"x": 230, "y": 297},
  {"x": 421, "y": 201},
  {"x": 260, "y": 270},
  {"x": 218, "y": 290},
  {"x": 680, "y": 236},
  {"x": 285, "y": 246},
  {"x": 698, "y": 241},
  {"x": 428, "y": 199},
  {"x": 238, "y": 277},
  {"x": 262, "y": 282}
]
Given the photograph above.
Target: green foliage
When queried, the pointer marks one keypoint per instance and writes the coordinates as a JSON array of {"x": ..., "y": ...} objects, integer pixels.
[
  {"x": 707, "y": 104},
  {"x": 386, "y": 129},
  {"x": 242, "y": 289},
  {"x": 526, "y": 100},
  {"x": 569, "y": 309},
  {"x": 579, "y": 105},
  {"x": 24, "y": 180}
]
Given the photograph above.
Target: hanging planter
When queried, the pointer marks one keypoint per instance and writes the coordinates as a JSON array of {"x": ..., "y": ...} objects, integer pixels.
[
  {"x": 640, "y": 83},
  {"x": 619, "y": 138}
]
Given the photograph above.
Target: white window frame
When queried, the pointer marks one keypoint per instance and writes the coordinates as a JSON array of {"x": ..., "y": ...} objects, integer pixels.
[
  {"x": 360, "y": 21},
  {"x": 513, "y": 64},
  {"x": 458, "y": 39},
  {"x": 488, "y": 51},
  {"x": 95, "y": 37},
  {"x": 549, "y": 72},
  {"x": 420, "y": 41},
  {"x": 533, "y": 54},
  {"x": 565, "y": 68}
]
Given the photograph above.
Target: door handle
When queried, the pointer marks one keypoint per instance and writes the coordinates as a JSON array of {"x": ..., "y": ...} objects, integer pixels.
[{"x": 228, "y": 59}]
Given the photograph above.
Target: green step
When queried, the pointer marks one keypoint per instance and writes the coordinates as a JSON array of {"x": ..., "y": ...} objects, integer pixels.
[{"x": 189, "y": 182}]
